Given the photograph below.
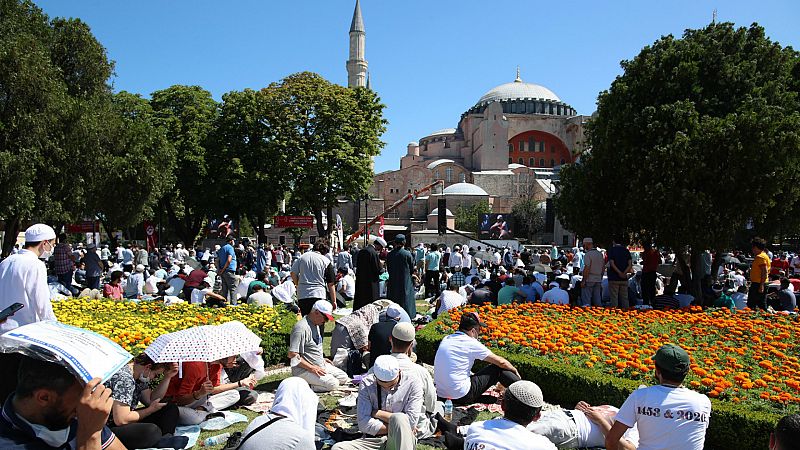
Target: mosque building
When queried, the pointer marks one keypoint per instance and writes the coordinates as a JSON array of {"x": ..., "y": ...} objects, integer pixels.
[{"x": 508, "y": 146}]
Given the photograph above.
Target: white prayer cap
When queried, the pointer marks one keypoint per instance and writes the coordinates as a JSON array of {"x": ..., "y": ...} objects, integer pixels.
[
  {"x": 386, "y": 368},
  {"x": 39, "y": 232},
  {"x": 527, "y": 392},
  {"x": 140, "y": 268}
]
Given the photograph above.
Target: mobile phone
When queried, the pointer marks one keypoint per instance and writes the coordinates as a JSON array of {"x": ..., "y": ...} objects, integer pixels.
[{"x": 8, "y": 312}]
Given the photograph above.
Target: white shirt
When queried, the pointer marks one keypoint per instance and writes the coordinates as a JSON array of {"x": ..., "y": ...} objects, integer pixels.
[
  {"x": 496, "y": 258},
  {"x": 23, "y": 279},
  {"x": 453, "y": 362},
  {"x": 449, "y": 300},
  {"x": 503, "y": 434},
  {"x": 455, "y": 260},
  {"x": 261, "y": 298},
  {"x": 667, "y": 418},
  {"x": 151, "y": 284},
  {"x": 556, "y": 296},
  {"x": 199, "y": 295},
  {"x": 349, "y": 285}
]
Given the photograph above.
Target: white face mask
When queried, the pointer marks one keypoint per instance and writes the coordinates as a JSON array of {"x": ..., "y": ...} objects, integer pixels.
[
  {"x": 46, "y": 254},
  {"x": 53, "y": 438}
]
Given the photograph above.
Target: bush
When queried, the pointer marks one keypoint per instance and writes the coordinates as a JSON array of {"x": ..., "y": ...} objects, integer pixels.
[{"x": 731, "y": 426}]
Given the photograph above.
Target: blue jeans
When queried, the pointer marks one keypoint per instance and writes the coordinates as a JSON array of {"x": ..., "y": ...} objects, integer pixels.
[
  {"x": 66, "y": 280},
  {"x": 591, "y": 293}
]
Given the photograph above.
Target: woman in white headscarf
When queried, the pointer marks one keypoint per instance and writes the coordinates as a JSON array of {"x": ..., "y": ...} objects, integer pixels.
[{"x": 289, "y": 423}]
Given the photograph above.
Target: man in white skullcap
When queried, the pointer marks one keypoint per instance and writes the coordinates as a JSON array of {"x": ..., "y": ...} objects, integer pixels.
[
  {"x": 522, "y": 404},
  {"x": 23, "y": 279},
  {"x": 387, "y": 406}
]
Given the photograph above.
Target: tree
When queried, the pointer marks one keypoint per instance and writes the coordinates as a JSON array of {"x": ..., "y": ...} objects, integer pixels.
[
  {"x": 333, "y": 133},
  {"x": 188, "y": 115},
  {"x": 251, "y": 169},
  {"x": 135, "y": 167},
  {"x": 697, "y": 137},
  {"x": 52, "y": 74},
  {"x": 529, "y": 218},
  {"x": 467, "y": 216}
]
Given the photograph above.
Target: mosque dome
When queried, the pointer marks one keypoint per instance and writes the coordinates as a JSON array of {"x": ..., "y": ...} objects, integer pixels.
[
  {"x": 443, "y": 131},
  {"x": 519, "y": 97},
  {"x": 447, "y": 212},
  {"x": 464, "y": 189},
  {"x": 439, "y": 162}
]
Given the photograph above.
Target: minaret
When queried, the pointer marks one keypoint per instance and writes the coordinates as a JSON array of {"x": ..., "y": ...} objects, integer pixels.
[{"x": 357, "y": 65}]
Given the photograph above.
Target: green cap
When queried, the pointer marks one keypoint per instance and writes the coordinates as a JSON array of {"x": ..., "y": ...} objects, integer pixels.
[{"x": 672, "y": 358}]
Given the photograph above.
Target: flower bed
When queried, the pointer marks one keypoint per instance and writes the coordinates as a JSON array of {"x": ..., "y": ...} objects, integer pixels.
[
  {"x": 744, "y": 362},
  {"x": 135, "y": 325}
]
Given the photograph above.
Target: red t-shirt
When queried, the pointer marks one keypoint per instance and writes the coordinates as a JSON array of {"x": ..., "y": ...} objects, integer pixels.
[
  {"x": 650, "y": 260},
  {"x": 195, "y": 278},
  {"x": 194, "y": 375}
]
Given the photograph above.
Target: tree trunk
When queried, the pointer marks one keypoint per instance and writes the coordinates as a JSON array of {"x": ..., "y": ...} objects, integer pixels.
[
  {"x": 715, "y": 264},
  {"x": 113, "y": 243},
  {"x": 696, "y": 273},
  {"x": 178, "y": 225},
  {"x": 12, "y": 230}
]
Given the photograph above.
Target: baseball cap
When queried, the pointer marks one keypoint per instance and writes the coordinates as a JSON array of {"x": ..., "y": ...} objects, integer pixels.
[
  {"x": 528, "y": 393},
  {"x": 470, "y": 320},
  {"x": 672, "y": 358},
  {"x": 400, "y": 238},
  {"x": 39, "y": 232},
  {"x": 325, "y": 308},
  {"x": 386, "y": 368},
  {"x": 404, "y": 331}
]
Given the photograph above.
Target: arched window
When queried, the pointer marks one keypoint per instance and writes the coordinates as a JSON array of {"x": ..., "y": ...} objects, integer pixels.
[
  {"x": 511, "y": 160},
  {"x": 448, "y": 173},
  {"x": 436, "y": 175},
  {"x": 521, "y": 162},
  {"x": 463, "y": 177},
  {"x": 552, "y": 163},
  {"x": 533, "y": 162},
  {"x": 541, "y": 162},
  {"x": 510, "y": 147}
]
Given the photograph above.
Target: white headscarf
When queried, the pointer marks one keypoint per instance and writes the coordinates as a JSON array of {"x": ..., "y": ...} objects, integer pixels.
[{"x": 297, "y": 402}]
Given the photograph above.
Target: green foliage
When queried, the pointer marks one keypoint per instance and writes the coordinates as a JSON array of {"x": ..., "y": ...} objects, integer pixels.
[
  {"x": 467, "y": 216},
  {"x": 187, "y": 114},
  {"x": 276, "y": 344},
  {"x": 332, "y": 132},
  {"x": 529, "y": 218},
  {"x": 731, "y": 426},
  {"x": 690, "y": 125}
]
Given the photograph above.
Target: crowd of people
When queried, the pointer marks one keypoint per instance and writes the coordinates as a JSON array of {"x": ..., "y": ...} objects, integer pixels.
[{"x": 398, "y": 402}]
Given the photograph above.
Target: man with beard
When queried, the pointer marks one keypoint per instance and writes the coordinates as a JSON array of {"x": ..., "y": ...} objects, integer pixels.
[{"x": 52, "y": 410}]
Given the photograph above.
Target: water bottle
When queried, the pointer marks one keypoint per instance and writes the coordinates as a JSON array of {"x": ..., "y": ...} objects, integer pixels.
[
  {"x": 215, "y": 440},
  {"x": 448, "y": 410}
]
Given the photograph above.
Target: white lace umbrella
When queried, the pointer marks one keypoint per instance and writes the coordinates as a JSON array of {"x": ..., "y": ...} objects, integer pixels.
[{"x": 204, "y": 343}]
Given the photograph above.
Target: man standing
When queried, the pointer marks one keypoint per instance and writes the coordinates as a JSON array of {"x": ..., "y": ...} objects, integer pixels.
[
  {"x": 305, "y": 350},
  {"x": 432, "y": 260},
  {"x": 757, "y": 295},
  {"x": 260, "y": 262},
  {"x": 64, "y": 262},
  {"x": 593, "y": 268},
  {"x": 620, "y": 265},
  {"x": 400, "y": 265},
  {"x": 314, "y": 277},
  {"x": 368, "y": 269},
  {"x": 226, "y": 259},
  {"x": 94, "y": 267},
  {"x": 389, "y": 406},
  {"x": 668, "y": 415},
  {"x": 455, "y": 357},
  {"x": 23, "y": 279},
  {"x": 419, "y": 258},
  {"x": 651, "y": 259},
  {"x": 344, "y": 260}
]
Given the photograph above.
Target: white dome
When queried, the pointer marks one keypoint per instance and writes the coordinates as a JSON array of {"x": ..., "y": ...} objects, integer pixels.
[
  {"x": 513, "y": 166},
  {"x": 443, "y": 131},
  {"x": 447, "y": 212},
  {"x": 464, "y": 189},
  {"x": 439, "y": 162},
  {"x": 518, "y": 90}
]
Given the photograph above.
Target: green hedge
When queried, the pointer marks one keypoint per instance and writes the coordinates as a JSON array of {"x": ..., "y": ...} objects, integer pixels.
[
  {"x": 276, "y": 344},
  {"x": 732, "y": 426}
]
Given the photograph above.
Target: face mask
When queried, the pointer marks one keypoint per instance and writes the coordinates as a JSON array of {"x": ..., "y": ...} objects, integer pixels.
[
  {"x": 46, "y": 254},
  {"x": 53, "y": 438},
  {"x": 143, "y": 378}
]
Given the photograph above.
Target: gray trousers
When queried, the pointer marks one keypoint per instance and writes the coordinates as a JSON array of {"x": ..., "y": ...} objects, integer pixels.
[
  {"x": 400, "y": 437},
  {"x": 229, "y": 286}
]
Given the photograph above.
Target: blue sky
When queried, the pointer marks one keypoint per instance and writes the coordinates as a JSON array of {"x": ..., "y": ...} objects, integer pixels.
[{"x": 430, "y": 60}]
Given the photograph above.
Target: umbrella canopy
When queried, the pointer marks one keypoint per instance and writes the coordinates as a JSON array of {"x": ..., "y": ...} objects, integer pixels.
[
  {"x": 204, "y": 343},
  {"x": 193, "y": 263},
  {"x": 542, "y": 268}
]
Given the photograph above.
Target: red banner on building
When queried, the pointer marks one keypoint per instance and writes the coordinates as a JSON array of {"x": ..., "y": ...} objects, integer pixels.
[
  {"x": 381, "y": 230},
  {"x": 152, "y": 235},
  {"x": 294, "y": 222},
  {"x": 87, "y": 226}
]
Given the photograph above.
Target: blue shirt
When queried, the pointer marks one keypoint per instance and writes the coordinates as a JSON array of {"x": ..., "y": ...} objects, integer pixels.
[
  {"x": 433, "y": 259},
  {"x": 222, "y": 256},
  {"x": 15, "y": 434},
  {"x": 620, "y": 255}
]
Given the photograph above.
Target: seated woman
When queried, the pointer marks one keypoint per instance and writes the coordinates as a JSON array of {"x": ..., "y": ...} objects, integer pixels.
[
  {"x": 113, "y": 289},
  {"x": 147, "y": 426},
  {"x": 204, "y": 294},
  {"x": 289, "y": 424}
]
